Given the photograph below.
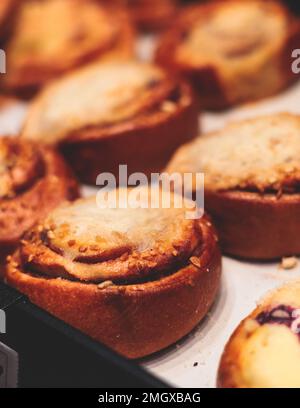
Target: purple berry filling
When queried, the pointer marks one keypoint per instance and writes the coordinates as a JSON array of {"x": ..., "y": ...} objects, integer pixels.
[{"x": 284, "y": 315}]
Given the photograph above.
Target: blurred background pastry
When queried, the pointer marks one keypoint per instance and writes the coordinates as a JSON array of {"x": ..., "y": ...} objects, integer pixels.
[
  {"x": 33, "y": 181},
  {"x": 51, "y": 37},
  {"x": 232, "y": 51},
  {"x": 113, "y": 113}
]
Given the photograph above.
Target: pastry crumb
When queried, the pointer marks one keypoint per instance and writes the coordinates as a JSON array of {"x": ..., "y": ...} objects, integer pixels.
[
  {"x": 250, "y": 326},
  {"x": 105, "y": 284},
  {"x": 195, "y": 261},
  {"x": 288, "y": 263},
  {"x": 168, "y": 107}
]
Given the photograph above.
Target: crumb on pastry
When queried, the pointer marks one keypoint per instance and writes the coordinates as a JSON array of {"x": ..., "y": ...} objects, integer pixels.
[{"x": 288, "y": 263}]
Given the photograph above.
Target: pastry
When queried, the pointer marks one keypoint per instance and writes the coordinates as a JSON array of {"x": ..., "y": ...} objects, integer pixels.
[
  {"x": 137, "y": 279},
  {"x": 232, "y": 51},
  {"x": 264, "y": 351},
  {"x": 107, "y": 114},
  {"x": 252, "y": 175},
  {"x": 52, "y": 37},
  {"x": 33, "y": 180}
]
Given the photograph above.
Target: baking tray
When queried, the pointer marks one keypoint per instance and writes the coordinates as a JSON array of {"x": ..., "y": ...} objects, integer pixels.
[
  {"x": 193, "y": 361},
  {"x": 37, "y": 350}
]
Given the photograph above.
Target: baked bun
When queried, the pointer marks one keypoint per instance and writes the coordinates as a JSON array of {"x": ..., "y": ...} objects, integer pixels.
[
  {"x": 137, "y": 279},
  {"x": 107, "y": 114},
  {"x": 264, "y": 351},
  {"x": 52, "y": 37},
  {"x": 233, "y": 51},
  {"x": 252, "y": 175},
  {"x": 33, "y": 180}
]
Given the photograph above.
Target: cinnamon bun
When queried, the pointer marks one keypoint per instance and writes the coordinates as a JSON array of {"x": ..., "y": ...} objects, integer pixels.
[
  {"x": 252, "y": 177},
  {"x": 107, "y": 114},
  {"x": 233, "y": 51},
  {"x": 33, "y": 180},
  {"x": 52, "y": 37},
  {"x": 137, "y": 279},
  {"x": 264, "y": 351}
]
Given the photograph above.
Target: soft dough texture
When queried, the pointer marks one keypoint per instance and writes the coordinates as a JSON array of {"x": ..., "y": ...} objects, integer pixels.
[{"x": 264, "y": 351}]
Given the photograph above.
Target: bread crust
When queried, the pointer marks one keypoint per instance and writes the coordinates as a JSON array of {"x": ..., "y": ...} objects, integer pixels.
[
  {"x": 43, "y": 186},
  {"x": 27, "y": 73},
  {"x": 228, "y": 376},
  {"x": 217, "y": 91},
  {"x": 133, "y": 319},
  {"x": 256, "y": 226}
]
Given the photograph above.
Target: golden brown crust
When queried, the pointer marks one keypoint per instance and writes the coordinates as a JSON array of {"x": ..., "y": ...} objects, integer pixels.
[
  {"x": 251, "y": 357},
  {"x": 34, "y": 180},
  {"x": 80, "y": 31},
  {"x": 251, "y": 173},
  {"x": 240, "y": 67},
  {"x": 117, "y": 244},
  {"x": 137, "y": 313},
  {"x": 138, "y": 107},
  {"x": 256, "y": 226}
]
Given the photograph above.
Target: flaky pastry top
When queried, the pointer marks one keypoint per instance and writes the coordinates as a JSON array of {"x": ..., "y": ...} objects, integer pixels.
[
  {"x": 96, "y": 241},
  {"x": 100, "y": 95},
  {"x": 261, "y": 154}
]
